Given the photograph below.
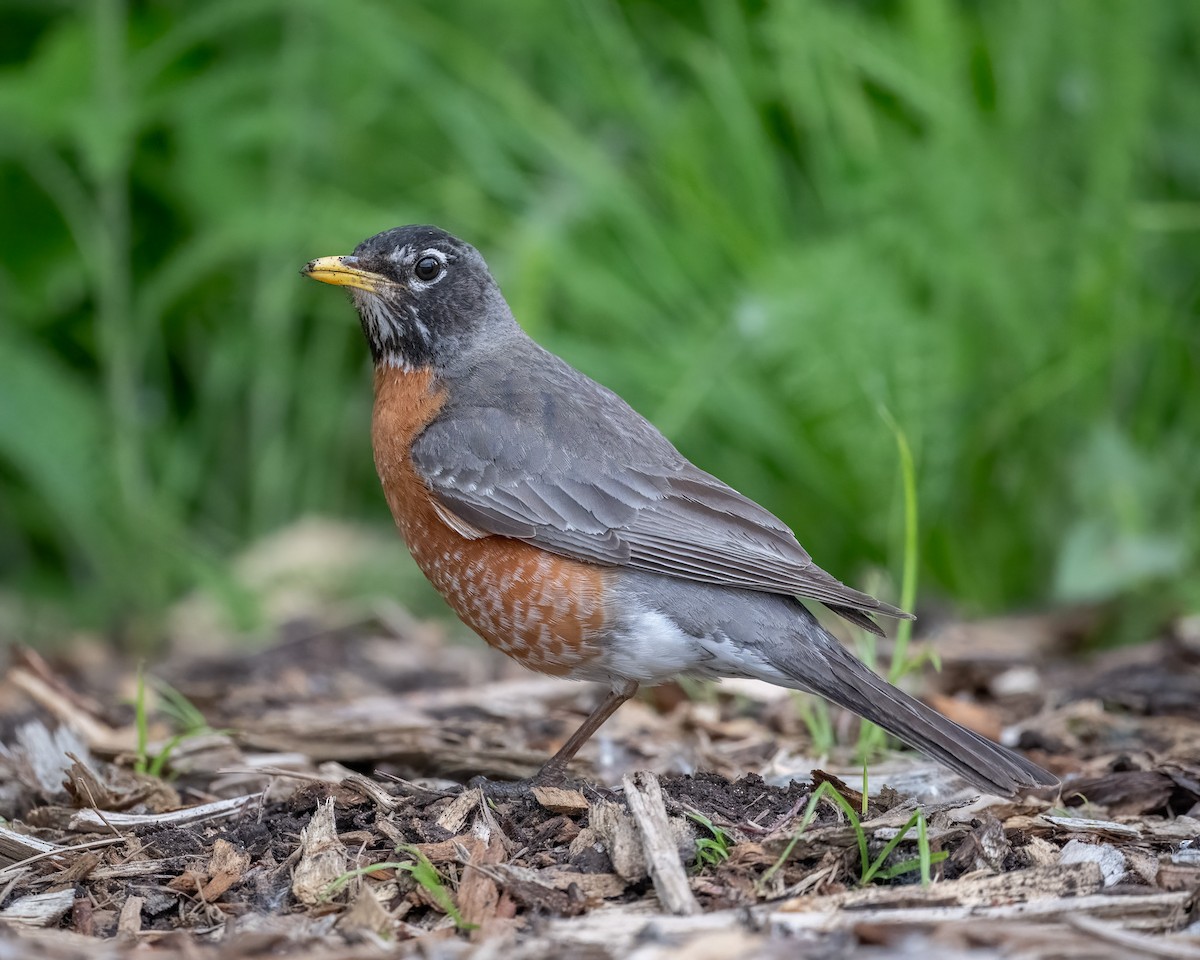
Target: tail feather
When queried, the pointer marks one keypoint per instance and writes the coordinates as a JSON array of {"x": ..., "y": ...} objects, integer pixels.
[{"x": 841, "y": 677}]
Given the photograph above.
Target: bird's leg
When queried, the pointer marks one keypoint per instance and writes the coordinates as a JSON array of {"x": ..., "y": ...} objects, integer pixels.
[{"x": 554, "y": 770}]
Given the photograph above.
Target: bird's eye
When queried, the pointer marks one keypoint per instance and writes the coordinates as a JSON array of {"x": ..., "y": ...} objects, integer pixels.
[{"x": 428, "y": 268}]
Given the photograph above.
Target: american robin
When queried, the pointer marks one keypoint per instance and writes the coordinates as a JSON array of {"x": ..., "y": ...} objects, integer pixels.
[{"x": 570, "y": 534}]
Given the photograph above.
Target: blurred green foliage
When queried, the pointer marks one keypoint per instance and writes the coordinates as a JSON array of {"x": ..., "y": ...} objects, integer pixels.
[{"x": 757, "y": 221}]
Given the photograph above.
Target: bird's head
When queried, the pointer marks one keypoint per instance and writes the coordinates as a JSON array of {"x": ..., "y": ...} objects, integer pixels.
[{"x": 424, "y": 297}]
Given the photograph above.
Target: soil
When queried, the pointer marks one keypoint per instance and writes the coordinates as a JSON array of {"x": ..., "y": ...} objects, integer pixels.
[{"x": 320, "y": 808}]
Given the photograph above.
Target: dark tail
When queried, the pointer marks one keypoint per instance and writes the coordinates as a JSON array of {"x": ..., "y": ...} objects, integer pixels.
[{"x": 820, "y": 664}]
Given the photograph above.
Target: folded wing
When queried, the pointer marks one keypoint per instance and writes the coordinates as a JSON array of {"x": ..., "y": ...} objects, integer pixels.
[{"x": 598, "y": 483}]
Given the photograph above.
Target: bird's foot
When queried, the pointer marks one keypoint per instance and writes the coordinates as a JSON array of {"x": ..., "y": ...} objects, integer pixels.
[
  {"x": 551, "y": 775},
  {"x": 501, "y": 789}
]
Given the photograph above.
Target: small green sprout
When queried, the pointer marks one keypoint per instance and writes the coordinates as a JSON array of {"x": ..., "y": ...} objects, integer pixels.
[
  {"x": 421, "y": 870},
  {"x": 713, "y": 849},
  {"x": 187, "y": 719},
  {"x": 869, "y": 869}
]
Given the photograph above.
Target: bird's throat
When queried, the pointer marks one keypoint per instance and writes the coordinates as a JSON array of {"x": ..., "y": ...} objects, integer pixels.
[{"x": 396, "y": 334}]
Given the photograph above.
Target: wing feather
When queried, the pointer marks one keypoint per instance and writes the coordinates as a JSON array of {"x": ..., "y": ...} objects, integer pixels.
[{"x": 610, "y": 489}]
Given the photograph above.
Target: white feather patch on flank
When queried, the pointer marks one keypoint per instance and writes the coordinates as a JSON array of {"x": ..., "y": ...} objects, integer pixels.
[
  {"x": 652, "y": 649},
  {"x": 732, "y": 659}
]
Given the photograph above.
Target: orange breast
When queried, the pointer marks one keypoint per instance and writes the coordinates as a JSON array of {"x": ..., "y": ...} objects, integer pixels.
[{"x": 545, "y": 611}]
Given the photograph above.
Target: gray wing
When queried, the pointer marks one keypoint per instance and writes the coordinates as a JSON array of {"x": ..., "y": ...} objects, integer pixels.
[{"x": 570, "y": 466}]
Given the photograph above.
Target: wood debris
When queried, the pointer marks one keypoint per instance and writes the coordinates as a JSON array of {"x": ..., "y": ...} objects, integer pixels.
[
  {"x": 660, "y": 850},
  {"x": 353, "y": 840},
  {"x": 323, "y": 858}
]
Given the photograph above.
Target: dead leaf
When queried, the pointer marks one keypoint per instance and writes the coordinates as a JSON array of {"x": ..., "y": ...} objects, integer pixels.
[{"x": 226, "y": 868}]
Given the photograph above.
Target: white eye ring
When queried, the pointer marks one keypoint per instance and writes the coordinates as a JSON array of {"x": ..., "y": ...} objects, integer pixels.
[{"x": 428, "y": 268}]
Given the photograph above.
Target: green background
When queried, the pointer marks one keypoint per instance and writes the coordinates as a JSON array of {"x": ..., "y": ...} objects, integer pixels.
[{"x": 761, "y": 223}]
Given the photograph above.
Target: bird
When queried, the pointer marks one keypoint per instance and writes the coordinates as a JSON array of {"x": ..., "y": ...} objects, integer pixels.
[{"x": 570, "y": 534}]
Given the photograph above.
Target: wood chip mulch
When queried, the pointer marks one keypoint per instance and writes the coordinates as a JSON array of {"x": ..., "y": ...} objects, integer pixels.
[{"x": 322, "y": 812}]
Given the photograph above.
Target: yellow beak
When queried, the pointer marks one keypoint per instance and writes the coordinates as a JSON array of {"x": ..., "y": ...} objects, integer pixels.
[{"x": 344, "y": 272}]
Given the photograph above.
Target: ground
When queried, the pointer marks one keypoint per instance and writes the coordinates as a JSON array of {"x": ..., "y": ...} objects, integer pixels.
[{"x": 339, "y": 748}]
